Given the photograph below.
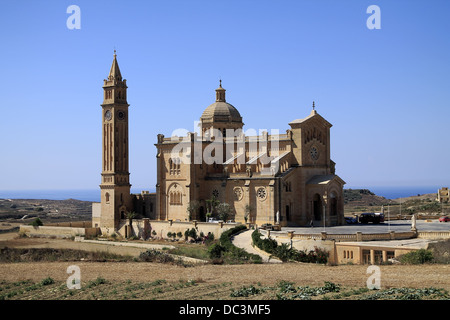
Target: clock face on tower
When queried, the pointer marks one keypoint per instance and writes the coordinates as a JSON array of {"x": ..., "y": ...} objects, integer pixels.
[
  {"x": 314, "y": 153},
  {"x": 121, "y": 115},
  {"x": 108, "y": 115}
]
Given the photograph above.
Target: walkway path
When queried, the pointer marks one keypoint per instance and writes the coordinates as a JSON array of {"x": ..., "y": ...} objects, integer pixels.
[{"x": 244, "y": 240}]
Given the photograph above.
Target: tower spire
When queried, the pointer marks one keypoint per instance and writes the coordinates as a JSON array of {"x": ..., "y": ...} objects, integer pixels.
[{"x": 114, "y": 73}]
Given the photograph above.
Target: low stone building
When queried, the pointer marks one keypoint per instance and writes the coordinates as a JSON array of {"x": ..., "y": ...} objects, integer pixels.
[{"x": 443, "y": 195}]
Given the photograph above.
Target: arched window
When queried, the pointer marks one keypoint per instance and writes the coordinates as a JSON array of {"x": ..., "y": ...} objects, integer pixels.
[{"x": 107, "y": 197}]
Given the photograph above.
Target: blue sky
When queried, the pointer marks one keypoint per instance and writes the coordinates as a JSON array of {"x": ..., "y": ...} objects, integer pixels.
[{"x": 385, "y": 91}]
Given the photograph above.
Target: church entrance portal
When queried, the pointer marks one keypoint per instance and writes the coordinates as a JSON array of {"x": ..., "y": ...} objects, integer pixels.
[{"x": 317, "y": 207}]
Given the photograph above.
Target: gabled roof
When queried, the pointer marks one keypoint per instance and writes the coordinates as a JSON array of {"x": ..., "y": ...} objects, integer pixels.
[
  {"x": 324, "y": 179},
  {"x": 312, "y": 115}
]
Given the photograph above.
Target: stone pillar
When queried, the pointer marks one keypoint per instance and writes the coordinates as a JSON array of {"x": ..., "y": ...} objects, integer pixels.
[
  {"x": 372, "y": 256},
  {"x": 324, "y": 235},
  {"x": 359, "y": 236},
  {"x": 392, "y": 235},
  {"x": 384, "y": 256},
  {"x": 147, "y": 228}
]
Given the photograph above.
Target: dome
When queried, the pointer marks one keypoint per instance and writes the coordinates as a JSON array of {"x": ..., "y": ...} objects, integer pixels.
[{"x": 221, "y": 111}]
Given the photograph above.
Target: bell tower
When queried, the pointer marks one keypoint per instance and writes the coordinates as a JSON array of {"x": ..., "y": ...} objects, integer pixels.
[{"x": 115, "y": 185}]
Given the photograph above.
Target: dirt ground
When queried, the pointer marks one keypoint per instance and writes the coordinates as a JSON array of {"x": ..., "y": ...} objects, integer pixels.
[
  {"x": 266, "y": 274},
  {"x": 429, "y": 275}
]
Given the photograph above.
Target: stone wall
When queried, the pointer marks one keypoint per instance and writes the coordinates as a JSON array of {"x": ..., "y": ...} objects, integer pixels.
[
  {"x": 57, "y": 232},
  {"x": 75, "y": 224},
  {"x": 162, "y": 228}
]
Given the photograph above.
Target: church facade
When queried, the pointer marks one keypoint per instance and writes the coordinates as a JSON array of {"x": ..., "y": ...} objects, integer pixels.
[{"x": 221, "y": 170}]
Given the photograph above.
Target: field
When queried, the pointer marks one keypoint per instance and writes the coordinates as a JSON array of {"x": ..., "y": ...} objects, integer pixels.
[
  {"x": 115, "y": 273},
  {"x": 139, "y": 280}
]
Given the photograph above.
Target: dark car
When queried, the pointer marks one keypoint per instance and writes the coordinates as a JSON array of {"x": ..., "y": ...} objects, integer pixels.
[
  {"x": 374, "y": 217},
  {"x": 351, "y": 220}
]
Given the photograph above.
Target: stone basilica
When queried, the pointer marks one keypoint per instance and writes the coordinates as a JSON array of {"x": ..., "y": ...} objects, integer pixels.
[{"x": 287, "y": 179}]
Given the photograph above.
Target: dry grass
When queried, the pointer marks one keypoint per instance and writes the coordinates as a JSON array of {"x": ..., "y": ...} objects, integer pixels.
[
  {"x": 266, "y": 274},
  {"x": 216, "y": 279}
]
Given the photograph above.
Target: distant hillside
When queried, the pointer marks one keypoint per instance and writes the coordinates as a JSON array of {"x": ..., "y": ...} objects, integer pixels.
[
  {"x": 363, "y": 200},
  {"x": 46, "y": 210},
  {"x": 363, "y": 197}
]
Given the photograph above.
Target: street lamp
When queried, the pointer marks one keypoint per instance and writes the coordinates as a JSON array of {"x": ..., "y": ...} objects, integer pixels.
[
  {"x": 389, "y": 218},
  {"x": 324, "y": 217}
]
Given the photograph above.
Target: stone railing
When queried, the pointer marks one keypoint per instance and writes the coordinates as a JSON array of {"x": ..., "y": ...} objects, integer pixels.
[
  {"x": 433, "y": 235},
  {"x": 347, "y": 237}
]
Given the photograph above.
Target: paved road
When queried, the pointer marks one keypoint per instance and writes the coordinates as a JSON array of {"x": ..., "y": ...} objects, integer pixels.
[
  {"x": 244, "y": 240},
  {"x": 396, "y": 225}
]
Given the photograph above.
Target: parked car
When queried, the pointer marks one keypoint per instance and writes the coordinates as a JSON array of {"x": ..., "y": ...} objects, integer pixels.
[
  {"x": 267, "y": 226},
  {"x": 444, "y": 219},
  {"x": 351, "y": 220},
  {"x": 374, "y": 217}
]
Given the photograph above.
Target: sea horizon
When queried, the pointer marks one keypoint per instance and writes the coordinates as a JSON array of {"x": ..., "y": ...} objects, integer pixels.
[{"x": 391, "y": 192}]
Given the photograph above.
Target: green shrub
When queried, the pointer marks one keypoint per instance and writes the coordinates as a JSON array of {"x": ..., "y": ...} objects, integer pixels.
[
  {"x": 215, "y": 251},
  {"x": 420, "y": 256},
  {"x": 268, "y": 245},
  {"x": 190, "y": 233},
  {"x": 47, "y": 281},
  {"x": 284, "y": 253},
  {"x": 246, "y": 291},
  {"x": 230, "y": 252},
  {"x": 37, "y": 223}
]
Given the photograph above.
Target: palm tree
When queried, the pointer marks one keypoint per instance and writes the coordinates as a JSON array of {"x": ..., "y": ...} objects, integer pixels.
[{"x": 130, "y": 215}]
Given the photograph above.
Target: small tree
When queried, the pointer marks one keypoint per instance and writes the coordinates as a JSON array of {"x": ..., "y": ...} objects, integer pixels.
[
  {"x": 248, "y": 211},
  {"x": 224, "y": 210},
  {"x": 192, "y": 209},
  {"x": 37, "y": 222},
  {"x": 130, "y": 215},
  {"x": 211, "y": 205}
]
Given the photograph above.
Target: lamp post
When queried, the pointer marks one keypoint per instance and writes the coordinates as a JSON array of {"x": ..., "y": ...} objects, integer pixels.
[
  {"x": 389, "y": 218},
  {"x": 324, "y": 207}
]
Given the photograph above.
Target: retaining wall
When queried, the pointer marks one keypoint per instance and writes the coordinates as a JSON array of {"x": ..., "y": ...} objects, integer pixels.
[{"x": 57, "y": 232}]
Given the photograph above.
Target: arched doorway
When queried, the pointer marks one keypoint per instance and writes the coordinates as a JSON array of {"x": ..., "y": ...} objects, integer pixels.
[
  {"x": 317, "y": 207},
  {"x": 201, "y": 213}
]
